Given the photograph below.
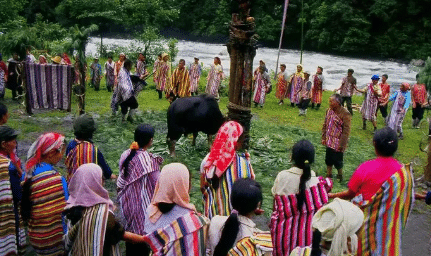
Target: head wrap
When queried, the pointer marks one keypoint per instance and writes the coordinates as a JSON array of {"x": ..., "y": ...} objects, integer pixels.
[
  {"x": 301, "y": 73},
  {"x": 56, "y": 60},
  {"x": 45, "y": 143},
  {"x": 223, "y": 149},
  {"x": 406, "y": 86},
  {"x": 84, "y": 124},
  {"x": 7, "y": 133},
  {"x": 337, "y": 221},
  {"x": 172, "y": 187},
  {"x": 86, "y": 189},
  {"x": 66, "y": 59},
  {"x": 42, "y": 59},
  {"x": 164, "y": 55},
  {"x": 375, "y": 77}
]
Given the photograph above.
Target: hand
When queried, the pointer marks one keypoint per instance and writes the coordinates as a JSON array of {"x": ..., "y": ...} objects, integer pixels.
[
  {"x": 331, "y": 195},
  {"x": 323, "y": 142},
  {"x": 414, "y": 104},
  {"x": 258, "y": 211},
  {"x": 113, "y": 177}
]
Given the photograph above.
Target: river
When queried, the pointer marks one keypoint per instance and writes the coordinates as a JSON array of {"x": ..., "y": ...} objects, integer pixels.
[{"x": 335, "y": 67}]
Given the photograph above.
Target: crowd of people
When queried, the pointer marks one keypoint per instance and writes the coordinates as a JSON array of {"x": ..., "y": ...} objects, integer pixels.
[{"x": 74, "y": 215}]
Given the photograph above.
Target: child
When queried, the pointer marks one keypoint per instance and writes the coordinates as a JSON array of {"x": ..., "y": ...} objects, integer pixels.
[{"x": 4, "y": 114}]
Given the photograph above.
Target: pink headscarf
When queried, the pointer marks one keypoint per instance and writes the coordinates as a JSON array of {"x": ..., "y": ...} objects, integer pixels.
[
  {"x": 86, "y": 189},
  {"x": 45, "y": 143},
  {"x": 223, "y": 149},
  {"x": 172, "y": 187}
]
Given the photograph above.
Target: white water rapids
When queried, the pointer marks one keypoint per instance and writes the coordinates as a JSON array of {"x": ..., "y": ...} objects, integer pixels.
[{"x": 335, "y": 67}]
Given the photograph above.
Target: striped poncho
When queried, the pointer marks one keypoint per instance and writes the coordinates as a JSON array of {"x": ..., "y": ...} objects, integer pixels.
[
  {"x": 217, "y": 201},
  {"x": 256, "y": 245},
  {"x": 290, "y": 226},
  {"x": 85, "y": 152},
  {"x": 87, "y": 236},
  {"x": 386, "y": 215},
  {"x": 7, "y": 216},
  {"x": 185, "y": 236},
  {"x": 48, "y": 194},
  {"x": 179, "y": 83}
]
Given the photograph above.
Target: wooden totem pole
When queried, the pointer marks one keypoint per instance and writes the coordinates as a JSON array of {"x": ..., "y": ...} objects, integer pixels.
[{"x": 242, "y": 50}]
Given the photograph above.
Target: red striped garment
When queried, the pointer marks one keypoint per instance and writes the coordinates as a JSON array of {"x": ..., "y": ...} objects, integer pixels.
[
  {"x": 45, "y": 227},
  {"x": 317, "y": 89},
  {"x": 419, "y": 93},
  {"x": 136, "y": 190},
  {"x": 262, "y": 83},
  {"x": 84, "y": 153},
  {"x": 186, "y": 236},
  {"x": 334, "y": 130},
  {"x": 163, "y": 77},
  {"x": 386, "y": 216},
  {"x": 215, "y": 75},
  {"x": 291, "y": 227},
  {"x": 281, "y": 92}
]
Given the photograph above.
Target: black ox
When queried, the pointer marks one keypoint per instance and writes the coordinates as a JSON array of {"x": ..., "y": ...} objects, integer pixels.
[{"x": 193, "y": 115}]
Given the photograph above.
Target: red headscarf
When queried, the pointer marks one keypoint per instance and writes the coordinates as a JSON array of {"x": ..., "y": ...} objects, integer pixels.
[
  {"x": 66, "y": 59},
  {"x": 223, "y": 149},
  {"x": 45, "y": 143}
]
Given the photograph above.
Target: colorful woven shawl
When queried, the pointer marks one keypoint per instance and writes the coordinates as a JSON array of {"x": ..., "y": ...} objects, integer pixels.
[
  {"x": 386, "y": 215},
  {"x": 84, "y": 152},
  {"x": 45, "y": 228},
  {"x": 217, "y": 201},
  {"x": 290, "y": 226},
  {"x": 185, "y": 236},
  {"x": 87, "y": 237},
  {"x": 256, "y": 245},
  {"x": 7, "y": 216}
]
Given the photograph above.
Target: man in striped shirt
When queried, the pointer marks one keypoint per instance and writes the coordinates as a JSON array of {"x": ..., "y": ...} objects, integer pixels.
[
  {"x": 335, "y": 134},
  {"x": 179, "y": 86}
]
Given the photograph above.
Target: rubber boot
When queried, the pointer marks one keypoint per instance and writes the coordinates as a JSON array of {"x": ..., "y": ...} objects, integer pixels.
[
  {"x": 130, "y": 116},
  {"x": 318, "y": 106},
  {"x": 312, "y": 105}
]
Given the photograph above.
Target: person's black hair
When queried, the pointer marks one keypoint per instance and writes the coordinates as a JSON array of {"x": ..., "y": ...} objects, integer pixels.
[
  {"x": 128, "y": 63},
  {"x": 165, "y": 207},
  {"x": 143, "y": 134},
  {"x": 303, "y": 156},
  {"x": 245, "y": 198},
  {"x": 385, "y": 141},
  {"x": 84, "y": 135},
  {"x": 182, "y": 60},
  {"x": 385, "y": 75},
  {"x": 417, "y": 76},
  {"x": 320, "y": 67},
  {"x": 315, "y": 245},
  {"x": 3, "y": 110},
  {"x": 74, "y": 214},
  {"x": 110, "y": 56},
  {"x": 350, "y": 70},
  {"x": 337, "y": 97}
]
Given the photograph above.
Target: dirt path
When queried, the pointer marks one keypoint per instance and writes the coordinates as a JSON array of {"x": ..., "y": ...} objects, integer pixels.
[{"x": 417, "y": 235}]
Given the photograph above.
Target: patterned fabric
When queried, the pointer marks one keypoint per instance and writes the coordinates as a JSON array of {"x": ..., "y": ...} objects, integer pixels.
[
  {"x": 140, "y": 68},
  {"x": 261, "y": 86},
  {"x": 317, "y": 88},
  {"x": 136, "y": 190},
  {"x": 256, "y": 245},
  {"x": 386, "y": 215},
  {"x": 371, "y": 102},
  {"x": 84, "y": 153},
  {"x": 156, "y": 72},
  {"x": 281, "y": 92},
  {"x": 215, "y": 75},
  {"x": 163, "y": 76},
  {"x": 290, "y": 226},
  {"x": 3, "y": 74},
  {"x": 347, "y": 86},
  {"x": 45, "y": 143},
  {"x": 222, "y": 151},
  {"x": 217, "y": 201},
  {"x": 185, "y": 236},
  {"x": 7, "y": 215},
  {"x": 419, "y": 93},
  {"x": 385, "y": 92},
  {"x": 195, "y": 71},
  {"x": 96, "y": 72},
  {"x": 305, "y": 90},
  {"x": 45, "y": 226},
  {"x": 87, "y": 237},
  {"x": 179, "y": 84},
  {"x": 334, "y": 129},
  {"x": 296, "y": 82},
  {"x": 109, "y": 72},
  {"x": 49, "y": 86},
  {"x": 301, "y": 251},
  {"x": 125, "y": 86},
  {"x": 399, "y": 109}
]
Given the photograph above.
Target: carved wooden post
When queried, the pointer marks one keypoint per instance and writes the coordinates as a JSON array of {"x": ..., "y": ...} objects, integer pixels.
[{"x": 242, "y": 50}]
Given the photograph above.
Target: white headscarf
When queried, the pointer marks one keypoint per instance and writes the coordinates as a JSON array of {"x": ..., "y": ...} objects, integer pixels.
[{"x": 337, "y": 221}]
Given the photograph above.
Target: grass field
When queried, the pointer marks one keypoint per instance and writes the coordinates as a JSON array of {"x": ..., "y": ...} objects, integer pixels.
[{"x": 274, "y": 131}]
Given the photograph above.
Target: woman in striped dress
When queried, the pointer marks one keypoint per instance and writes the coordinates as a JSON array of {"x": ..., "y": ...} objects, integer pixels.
[
  {"x": 221, "y": 168},
  {"x": 298, "y": 194},
  {"x": 44, "y": 195},
  {"x": 371, "y": 103},
  {"x": 164, "y": 74},
  {"x": 214, "y": 78},
  {"x": 139, "y": 172},
  {"x": 172, "y": 224}
]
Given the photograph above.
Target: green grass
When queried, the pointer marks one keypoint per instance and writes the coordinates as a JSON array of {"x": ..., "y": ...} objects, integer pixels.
[{"x": 274, "y": 131}]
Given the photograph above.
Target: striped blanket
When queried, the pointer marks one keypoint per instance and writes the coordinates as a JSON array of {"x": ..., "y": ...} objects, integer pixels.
[
  {"x": 256, "y": 245},
  {"x": 49, "y": 86},
  {"x": 290, "y": 226},
  {"x": 45, "y": 227},
  {"x": 217, "y": 201},
  {"x": 7, "y": 215},
  {"x": 386, "y": 216},
  {"x": 87, "y": 237},
  {"x": 85, "y": 152},
  {"x": 185, "y": 236}
]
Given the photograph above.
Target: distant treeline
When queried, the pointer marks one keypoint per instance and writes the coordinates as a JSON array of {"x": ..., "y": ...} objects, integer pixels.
[{"x": 380, "y": 28}]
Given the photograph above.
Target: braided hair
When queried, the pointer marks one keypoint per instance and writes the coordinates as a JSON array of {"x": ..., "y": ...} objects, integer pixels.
[{"x": 303, "y": 156}]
